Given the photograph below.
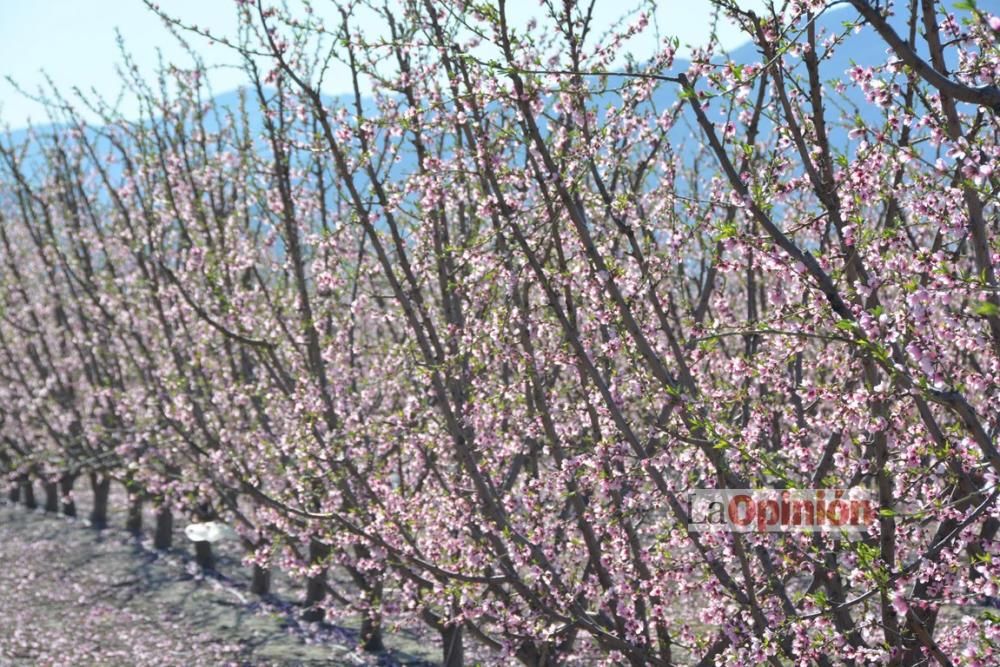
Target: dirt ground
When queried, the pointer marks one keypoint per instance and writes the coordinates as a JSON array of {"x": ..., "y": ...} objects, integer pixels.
[{"x": 73, "y": 596}]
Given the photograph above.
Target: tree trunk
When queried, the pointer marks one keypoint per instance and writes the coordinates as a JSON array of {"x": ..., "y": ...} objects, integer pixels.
[
  {"x": 371, "y": 625},
  {"x": 28, "y": 491},
  {"x": 316, "y": 585},
  {"x": 163, "y": 538},
  {"x": 51, "y": 496},
  {"x": 133, "y": 521},
  {"x": 66, "y": 483},
  {"x": 260, "y": 580},
  {"x": 15, "y": 493},
  {"x": 101, "y": 486},
  {"x": 371, "y": 632},
  {"x": 203, "y": 555},
  {"x": 453, "y": 653},
  {"x": 203, "y": 550},
  {"x": 260, "y": 584}
]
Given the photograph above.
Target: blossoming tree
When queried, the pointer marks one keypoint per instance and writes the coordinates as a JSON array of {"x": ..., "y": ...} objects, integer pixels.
[{"x": 473, "y": 338}]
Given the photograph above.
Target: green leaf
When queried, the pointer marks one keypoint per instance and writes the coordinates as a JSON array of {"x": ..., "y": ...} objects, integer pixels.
[
  {"x": 846, "y": 325},
  {"x": 728, "y": 230},
  {"x": 986, "y": 309},
  {"x": 709, "y": 344}
]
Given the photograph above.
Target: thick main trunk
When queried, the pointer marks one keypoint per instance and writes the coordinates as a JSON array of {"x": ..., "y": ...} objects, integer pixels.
[
  {"x": 260, "y": 579},
  {"x": 452, "y": 650},
  {"x": 100, "y": 484},
  {"x": 14, "y": 495},
  {"x": 371, "y": 633},
  {"x": 260, "y": 584},
  {"x": 371, "y": 625},
  {"x": 133, "y": 522},
  {"x": 203, "y": 550},
  {"x": 28, "y": 491},
  {"x": 316, "y": 585},
  {"x": 203, "y": 555},
  {"x": 66, "y": 483},
  {"x": 51, "y": 496},
  {"x": 163, "y": 538}
]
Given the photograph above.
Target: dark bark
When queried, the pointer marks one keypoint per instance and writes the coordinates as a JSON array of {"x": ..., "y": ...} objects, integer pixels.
[
  {"x": 14, "y": 495},
  {"x": 316, "y": 585},
  {"x": 452, "y": 650},
  {"x": 66, "y": 483},
  {"x": 28, "y": 491},
  {"x": 260, "y": 578},
  {"x": 100, "y": 484},
  {"x": 203, "y": 555},
  {"x": 371, "y": 623},
  {"x": 133, "y": 522},
  {"x": 203, "y": 550},
  {"x": 371, "y": 632},
  {"x": 51, "y": 496},
  {"x": 260, "y": 584},
  {"x": 163, "y": 538}
]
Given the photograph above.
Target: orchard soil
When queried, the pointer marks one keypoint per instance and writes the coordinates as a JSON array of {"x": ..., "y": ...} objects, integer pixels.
[{"x": 74, "y": 596}]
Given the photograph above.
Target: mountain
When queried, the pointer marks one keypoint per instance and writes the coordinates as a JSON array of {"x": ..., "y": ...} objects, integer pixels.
[{"x": 865, "y": 49}]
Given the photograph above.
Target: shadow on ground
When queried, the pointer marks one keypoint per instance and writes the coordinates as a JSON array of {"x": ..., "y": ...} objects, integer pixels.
[{"x": 70, "y": 595}]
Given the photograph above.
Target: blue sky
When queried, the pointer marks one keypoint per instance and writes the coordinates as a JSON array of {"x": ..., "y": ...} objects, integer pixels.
[{"x": 73, "y": 41}]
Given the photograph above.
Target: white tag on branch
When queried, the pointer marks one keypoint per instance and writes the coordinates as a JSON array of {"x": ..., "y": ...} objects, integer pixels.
[{"x": 208, "y": 531}]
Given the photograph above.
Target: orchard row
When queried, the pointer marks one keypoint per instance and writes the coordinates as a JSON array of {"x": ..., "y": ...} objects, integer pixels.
[{"x": 472, "y": 336}]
